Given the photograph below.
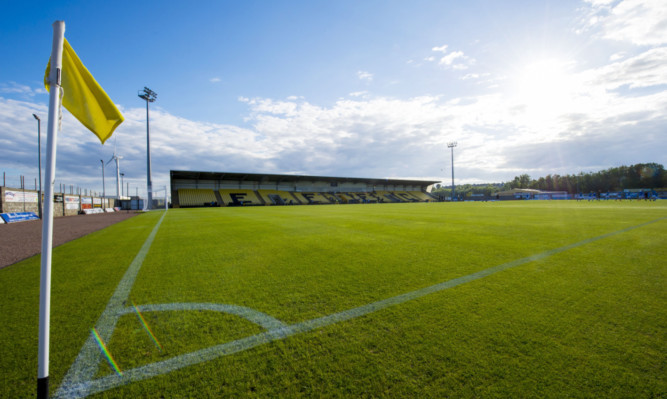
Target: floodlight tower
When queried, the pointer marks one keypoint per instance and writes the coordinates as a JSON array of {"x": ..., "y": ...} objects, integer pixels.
[
  {"x": 39, "y": 162},
  {"x": 451, "y": 145},
  {"x": 104, "y": 190},
  {"x": 150, "y": 96}
]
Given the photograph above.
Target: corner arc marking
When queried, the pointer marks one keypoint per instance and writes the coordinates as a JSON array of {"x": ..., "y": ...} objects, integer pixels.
[
  {"x": 76, "y": 382},
  {"x": 254, "y": 316}
]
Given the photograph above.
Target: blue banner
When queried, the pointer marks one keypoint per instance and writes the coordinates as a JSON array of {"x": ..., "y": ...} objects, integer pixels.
[{"x": 19, "y": 216}]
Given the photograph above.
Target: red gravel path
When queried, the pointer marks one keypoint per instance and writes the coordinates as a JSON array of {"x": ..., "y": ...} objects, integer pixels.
[{"x": 22, "y": 240}]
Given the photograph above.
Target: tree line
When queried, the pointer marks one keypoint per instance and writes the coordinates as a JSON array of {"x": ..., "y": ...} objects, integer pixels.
[{"x": 639, "y": 176}]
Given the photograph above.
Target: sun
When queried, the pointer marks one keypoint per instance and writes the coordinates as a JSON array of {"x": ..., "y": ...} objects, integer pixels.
[{"x": 544, "y": 89}]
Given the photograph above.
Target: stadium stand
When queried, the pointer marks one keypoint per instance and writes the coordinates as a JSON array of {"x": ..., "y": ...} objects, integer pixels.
[
  {"x": 196, "y": 197},
  {"x": 232, "y": 188},
  {"x": 346, "y": 198},
  {"x": 386, "y": 196},
  {"x": 359, "y": 198},
  {"x": 406, "y": 196},
  {"x": 313, "y": 198},
  {"x": 276, "y": 197},
  {"x": 422, "y": 196},
  {"x": 240, "y": 197}
]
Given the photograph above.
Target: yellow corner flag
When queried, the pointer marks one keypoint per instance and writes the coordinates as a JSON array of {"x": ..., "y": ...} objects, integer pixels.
[{"x": 84, "y": 97}]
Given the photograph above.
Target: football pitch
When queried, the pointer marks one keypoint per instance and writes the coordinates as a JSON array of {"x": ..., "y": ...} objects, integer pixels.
[{"x": 491, "y": 299}]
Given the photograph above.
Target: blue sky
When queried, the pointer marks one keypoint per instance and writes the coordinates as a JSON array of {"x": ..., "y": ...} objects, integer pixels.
[{"x": 348, "y": 88}]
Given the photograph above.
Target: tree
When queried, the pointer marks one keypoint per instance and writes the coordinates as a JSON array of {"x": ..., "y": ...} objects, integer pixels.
[{"x": 646, "y": 176}]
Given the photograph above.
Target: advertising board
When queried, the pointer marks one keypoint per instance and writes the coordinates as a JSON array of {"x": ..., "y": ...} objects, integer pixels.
[
  {"x": 71, "y": 202},
  {"x": 86, "y": 203},
  {"x": 18, "y": 216},
  {"x": 20, "y": 196}
]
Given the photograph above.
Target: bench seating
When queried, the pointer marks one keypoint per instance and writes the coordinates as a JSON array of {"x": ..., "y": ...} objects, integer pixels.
[
  {"x": 195, "y": 196},
  {"x": 239, "y": 197}
]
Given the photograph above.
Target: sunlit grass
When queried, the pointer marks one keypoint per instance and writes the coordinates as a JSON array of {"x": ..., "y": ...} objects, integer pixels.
[{"x": 588, "y": 322}]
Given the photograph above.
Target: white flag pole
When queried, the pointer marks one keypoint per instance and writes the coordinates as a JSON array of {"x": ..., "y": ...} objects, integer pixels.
[{"x": 47, "y": 222}]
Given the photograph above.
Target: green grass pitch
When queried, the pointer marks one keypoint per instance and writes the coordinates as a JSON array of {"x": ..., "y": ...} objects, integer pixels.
[{"x": 571, "y": 302}]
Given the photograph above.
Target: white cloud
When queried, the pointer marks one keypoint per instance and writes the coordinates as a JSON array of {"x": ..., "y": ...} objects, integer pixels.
[
  {"x": 451, "y": 57},
  {"x": 365, "y": 76},
  {"x": 362, "y": 93},
  {"x": 611, "y": 114},
  {"x": 21, "y": 90},
  {"x": 215, "y": 80},
  {"x": 600, "y": 2},
  {"x": 644, "y": 70},
  {"x": 384, "y": 136},
  {"x": 375, "y": 136},
  {"x": 454, "y": 60},
  {"x": 617, "y": 56},
  {"x": 640, "y": 22}
]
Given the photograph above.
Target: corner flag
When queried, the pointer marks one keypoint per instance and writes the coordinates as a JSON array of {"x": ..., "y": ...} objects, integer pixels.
[
  {"x": 66, "y": 77},
  {"x": 84, "y": 97}
]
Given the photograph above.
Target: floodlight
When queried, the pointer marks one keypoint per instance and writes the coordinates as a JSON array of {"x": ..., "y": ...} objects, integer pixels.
[{"x": 150, "y": 96}]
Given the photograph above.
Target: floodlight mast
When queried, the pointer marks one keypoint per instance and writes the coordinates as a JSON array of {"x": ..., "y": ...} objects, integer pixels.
[
  {"x": 39, "y": 163},
  {"x": 451, "y": 145},
  {"x": 104, "y": 190},
  {"x": 150, "y": 96}
]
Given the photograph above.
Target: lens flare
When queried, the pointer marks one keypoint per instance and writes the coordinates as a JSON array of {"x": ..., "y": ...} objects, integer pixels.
[
  {"x": 106, "y": 352},
  {"x": 148, "y": 330}
]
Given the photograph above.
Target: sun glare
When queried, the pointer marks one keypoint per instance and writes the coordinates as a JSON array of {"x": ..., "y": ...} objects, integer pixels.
[{"x": 544, "y": 89}]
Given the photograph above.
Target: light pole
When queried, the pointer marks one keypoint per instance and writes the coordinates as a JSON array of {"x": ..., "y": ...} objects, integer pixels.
[
  {"x": 451, "y": 145},
  {"x": 104, "y": 191},
  {"x": 39, "y": 162},
  {"x": 150, "y": 96}
]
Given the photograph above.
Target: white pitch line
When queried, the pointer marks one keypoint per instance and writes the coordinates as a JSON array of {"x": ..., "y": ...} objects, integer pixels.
[
  {"x": 239, "y": 345},
  {"x": 87, "y": 362},
  {"x": 252, "y": 315}
]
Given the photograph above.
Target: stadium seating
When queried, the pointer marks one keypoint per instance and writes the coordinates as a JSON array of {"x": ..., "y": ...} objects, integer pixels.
[
  {"x": 237, "y": 197},
  {"x": 371, "y": 197},
  {"x": 346, "y": 198},
  {"x": 359, "y": 198},
  {"x": 406, "y": 196},
  {"x": 422, "y": 196},
  {"x": 234, "y": 197},
  {"x": 313, "y": 198},
  {"x": 276, "y": 197},
  {"x": 386, "y": 196},
  {"x": 196, "y": 197}
]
